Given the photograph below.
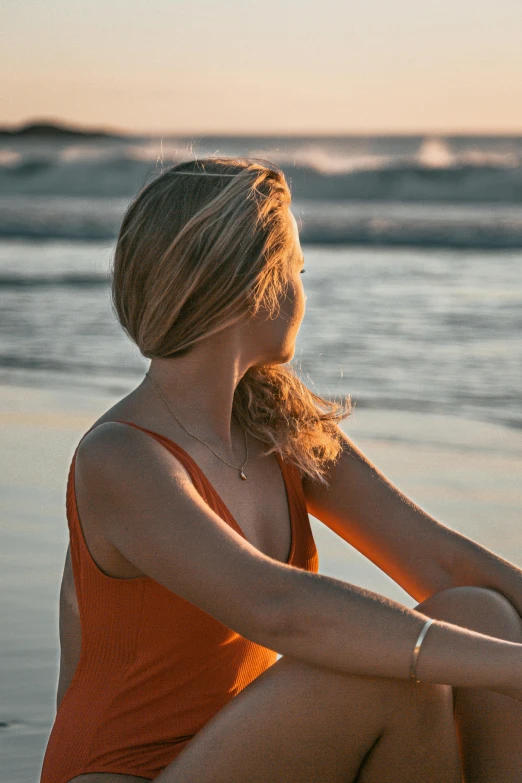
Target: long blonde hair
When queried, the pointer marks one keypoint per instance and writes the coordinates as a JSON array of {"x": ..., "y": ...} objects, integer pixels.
[{"x": 196, "y": 254}]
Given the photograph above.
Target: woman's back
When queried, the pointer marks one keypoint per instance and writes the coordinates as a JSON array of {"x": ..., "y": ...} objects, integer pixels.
[{"x": 153, "y": 667}]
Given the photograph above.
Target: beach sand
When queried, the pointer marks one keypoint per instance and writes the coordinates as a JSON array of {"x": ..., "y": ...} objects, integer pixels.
[{"x": 467, "y": 474}]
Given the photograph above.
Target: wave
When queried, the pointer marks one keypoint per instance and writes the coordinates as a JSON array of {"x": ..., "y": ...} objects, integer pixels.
[
  {"x": 469, "y": 180},
  {"x": 362, "y": 235},
  {"x": 413, "y": 228},
  {"x": 469, "y": 184},
  {"x": 458, "y": 240},
  {"x": 14, "y": 281},
  {"x": 381, "y": 223},
  {"x": 60, "y": 217}
]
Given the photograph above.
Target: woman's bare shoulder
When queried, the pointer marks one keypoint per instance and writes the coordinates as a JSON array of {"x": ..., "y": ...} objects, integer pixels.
[{"x": 112, "y": 446}]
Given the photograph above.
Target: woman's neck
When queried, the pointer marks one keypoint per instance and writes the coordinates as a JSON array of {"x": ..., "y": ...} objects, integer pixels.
[{"x": 200, "y": 388}]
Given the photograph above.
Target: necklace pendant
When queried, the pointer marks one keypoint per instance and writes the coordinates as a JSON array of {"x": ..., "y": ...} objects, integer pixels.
[{"x": 242, "y": 475}]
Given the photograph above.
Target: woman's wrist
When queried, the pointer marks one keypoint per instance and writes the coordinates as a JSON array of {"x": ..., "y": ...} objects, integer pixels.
[{"x": 456, "y": 656}]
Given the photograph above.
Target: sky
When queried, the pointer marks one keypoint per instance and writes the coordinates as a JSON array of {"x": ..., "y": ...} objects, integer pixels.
[{"x": 276, "y": 66}]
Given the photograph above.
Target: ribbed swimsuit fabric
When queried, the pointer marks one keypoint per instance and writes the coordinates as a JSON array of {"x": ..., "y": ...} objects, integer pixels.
[{"x": 153, "y": 667}]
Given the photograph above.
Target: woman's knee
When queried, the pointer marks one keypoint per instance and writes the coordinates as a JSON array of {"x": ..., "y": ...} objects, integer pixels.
[
  {"x": 382, "y": 696},
  {"x": 480, "y": 609}
]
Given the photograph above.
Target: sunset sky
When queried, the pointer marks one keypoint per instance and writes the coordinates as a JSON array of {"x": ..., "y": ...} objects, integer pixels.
[{"x": 274, "y": 66}]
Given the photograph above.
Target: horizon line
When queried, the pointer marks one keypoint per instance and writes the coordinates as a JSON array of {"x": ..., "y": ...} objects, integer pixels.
[{"x": 121, "y": 131}]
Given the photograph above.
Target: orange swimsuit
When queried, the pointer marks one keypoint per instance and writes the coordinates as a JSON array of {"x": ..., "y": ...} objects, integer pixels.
[{"x": 153, "y": 667}]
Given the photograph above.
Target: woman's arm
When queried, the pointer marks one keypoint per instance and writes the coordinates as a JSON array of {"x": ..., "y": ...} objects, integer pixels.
[
  {"x": 422, "y": 555},
  {"x": 154, "y": 516}
]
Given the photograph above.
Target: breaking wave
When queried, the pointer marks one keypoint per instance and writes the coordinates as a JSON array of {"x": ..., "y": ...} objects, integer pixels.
[{"x": 427, "y": 192}]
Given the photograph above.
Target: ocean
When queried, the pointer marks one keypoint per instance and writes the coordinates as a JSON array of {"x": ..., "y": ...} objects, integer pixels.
[
  {"x": 413, "y": 258},
  {"x": 413, "y": 249}
]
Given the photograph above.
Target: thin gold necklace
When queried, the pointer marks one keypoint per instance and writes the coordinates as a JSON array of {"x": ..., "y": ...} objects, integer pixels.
[{"x": 241, "y": 473}]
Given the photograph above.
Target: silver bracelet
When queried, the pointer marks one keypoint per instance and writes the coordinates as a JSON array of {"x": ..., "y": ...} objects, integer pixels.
[{"x": 416, "y": 651}]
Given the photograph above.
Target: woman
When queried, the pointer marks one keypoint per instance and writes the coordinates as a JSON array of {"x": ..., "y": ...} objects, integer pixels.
[{"x": 194, "y": 560}]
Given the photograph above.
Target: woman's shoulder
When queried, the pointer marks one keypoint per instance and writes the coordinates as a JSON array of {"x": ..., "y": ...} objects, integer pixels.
[{"x": 112, "y": 450}]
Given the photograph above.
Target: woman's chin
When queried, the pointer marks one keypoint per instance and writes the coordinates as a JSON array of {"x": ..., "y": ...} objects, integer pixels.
[
  {"x": 282, "y": 355},
  {"x": 286, "y": 356}
]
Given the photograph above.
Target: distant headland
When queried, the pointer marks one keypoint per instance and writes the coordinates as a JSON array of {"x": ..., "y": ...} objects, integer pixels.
[{"x": 56, "y": 130}]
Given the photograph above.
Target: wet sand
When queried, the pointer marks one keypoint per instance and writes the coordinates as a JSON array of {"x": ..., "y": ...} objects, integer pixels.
[{"x": 465, "y": 473}]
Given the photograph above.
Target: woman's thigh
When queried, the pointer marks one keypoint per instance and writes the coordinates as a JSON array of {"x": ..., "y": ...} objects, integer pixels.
[{"x": 297, "y": 723}]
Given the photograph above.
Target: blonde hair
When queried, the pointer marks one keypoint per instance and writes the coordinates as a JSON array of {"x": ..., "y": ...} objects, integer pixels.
[{"x": 196, "y": 254}]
